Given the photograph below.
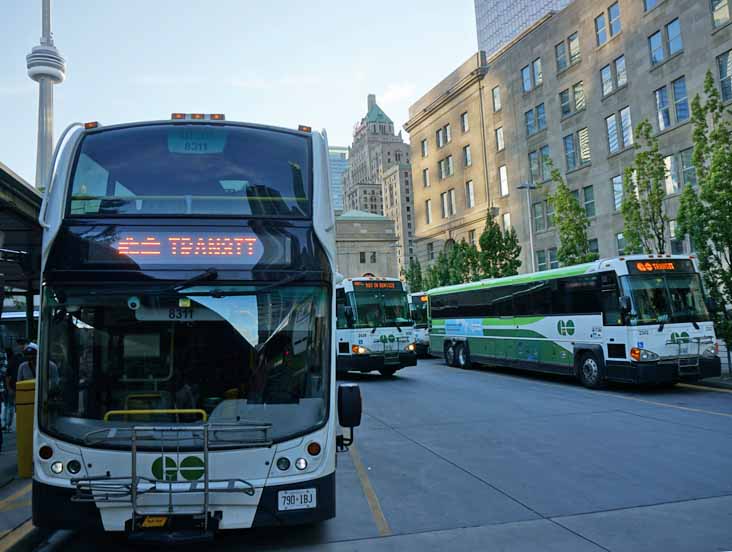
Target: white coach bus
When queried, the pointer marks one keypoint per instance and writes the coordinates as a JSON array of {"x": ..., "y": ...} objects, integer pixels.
[
  {"x": 375, "y": 329},
  {"x": 186, "y": 377},
  {"x": 639, "y": 319}
]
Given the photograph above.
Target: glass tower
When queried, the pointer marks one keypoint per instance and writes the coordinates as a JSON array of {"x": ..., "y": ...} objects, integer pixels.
[{"x": 338, "y": 160}]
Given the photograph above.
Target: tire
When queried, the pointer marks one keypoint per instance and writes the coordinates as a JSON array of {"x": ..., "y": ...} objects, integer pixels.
[
  {"x": 462, "y": 356},
  {"x": 387, "y": 372},
  {"x": 590, "y": 373},
  {"x": 450, "y": 354}
]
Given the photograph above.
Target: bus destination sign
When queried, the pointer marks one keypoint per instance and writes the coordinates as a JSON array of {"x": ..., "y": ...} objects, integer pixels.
[
  {"x": 189, "y": 247},
  {"x": 376, "y": 285},
  {"x": 660, "y": 265}
]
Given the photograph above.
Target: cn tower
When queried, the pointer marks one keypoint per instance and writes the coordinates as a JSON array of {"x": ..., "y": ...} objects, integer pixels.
[{"x": 46, "y": 67}]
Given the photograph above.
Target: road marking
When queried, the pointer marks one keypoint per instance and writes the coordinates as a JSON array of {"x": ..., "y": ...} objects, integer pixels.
[
  {"x": 24, "y": 490},
  {"x": 703, "y": 388},
  {"x": 14, "y": 536},
  {"x": 15, "y": 505},
  {"x": 381, "y": 524},
  {"x": 686, "y": 408}
]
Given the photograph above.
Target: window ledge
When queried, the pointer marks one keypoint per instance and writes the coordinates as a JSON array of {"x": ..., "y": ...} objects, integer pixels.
[
  {"x": 578, "y": 169},
  {"x": 621, "y": 152},
  {"x": 615, "y": 91},
  {"x": 537, "y": 133},
  {"x": 608, "y": 41},
  {"x": 721, "y": 27},
  {"x": 572, "y": 114},
  {"x": 673, "y": 127},
  {"x": 665, "y": 61},
  {"x": 537, "y": 87},
  {"x": 568, "y": 68}
]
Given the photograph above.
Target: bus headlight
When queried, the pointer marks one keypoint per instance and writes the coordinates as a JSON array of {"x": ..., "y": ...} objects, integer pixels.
[
  {"x": 711, "y": 351},
  {"x": 359, "y": 350},
  {"x": 57, "y": 467},
  {"x": 643, "y": 355},
  {"x": 410, "y": 348}
]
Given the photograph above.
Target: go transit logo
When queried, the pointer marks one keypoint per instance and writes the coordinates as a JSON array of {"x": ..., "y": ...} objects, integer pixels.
[
  {"x": 191, "y": 468},
  {"x": 565, "y": 327}
]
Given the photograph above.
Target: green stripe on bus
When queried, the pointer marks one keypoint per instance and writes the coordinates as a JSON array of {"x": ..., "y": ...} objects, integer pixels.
[{"x": 517, "y": 321}]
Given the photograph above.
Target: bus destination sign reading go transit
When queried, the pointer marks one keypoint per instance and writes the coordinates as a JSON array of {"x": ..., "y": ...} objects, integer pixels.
[
  {"x": 189, "y": 247},
  {"x": 649, "y": 266}
]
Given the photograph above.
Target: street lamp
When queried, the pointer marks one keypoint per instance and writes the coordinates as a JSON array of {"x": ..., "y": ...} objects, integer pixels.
[{"x": 528, "y": 186}]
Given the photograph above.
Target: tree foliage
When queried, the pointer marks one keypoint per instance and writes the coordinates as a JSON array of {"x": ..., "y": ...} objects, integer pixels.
[
  {"x": 705, "y": 213},
  {"x": 413, "y": 276},
  {"x": 644, "y": 193},
  {"x": 499, "y": 251},
  {"x": 571, "y": 222}
]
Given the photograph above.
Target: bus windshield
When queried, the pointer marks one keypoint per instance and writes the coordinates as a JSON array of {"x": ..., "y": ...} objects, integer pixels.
[
  {"x": 419, "y": 310},
  {"x": 381, "y": 307},
  {"x": 192, "y": 169},
  {"x": 665, "y": 298},
  {"x": 251, "y": 357}
]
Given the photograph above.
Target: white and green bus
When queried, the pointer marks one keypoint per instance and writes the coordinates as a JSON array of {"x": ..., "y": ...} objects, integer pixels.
[
  {"x": 639, "y": 319},
  {"x": 418, "y": 305},
  {"x": 374, "y": 328}
]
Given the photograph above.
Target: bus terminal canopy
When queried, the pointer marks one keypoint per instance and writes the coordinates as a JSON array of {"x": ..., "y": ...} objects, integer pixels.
[{"x": 20, "y": 233}]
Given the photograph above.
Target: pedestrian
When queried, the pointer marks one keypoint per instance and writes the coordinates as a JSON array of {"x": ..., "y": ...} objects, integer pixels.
[{"x": 15, "y": 358}]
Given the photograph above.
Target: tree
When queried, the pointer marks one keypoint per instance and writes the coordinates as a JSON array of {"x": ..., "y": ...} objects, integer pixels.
[
  {"x": 413, "y": 276},
  {"x": 571, "y": 222},
  {"x": 643, "y": 196},
  {"x": 499, "y": 251},
  {"x": 705, "y": 213}
]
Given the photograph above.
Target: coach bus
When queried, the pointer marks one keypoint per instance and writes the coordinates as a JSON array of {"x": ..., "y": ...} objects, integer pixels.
[
  {"x": 187, "y": 348},
  {"x": 418, "y": 305},
  {"x": 375, "y": 329},
  {"x": 639, "y": 319}
]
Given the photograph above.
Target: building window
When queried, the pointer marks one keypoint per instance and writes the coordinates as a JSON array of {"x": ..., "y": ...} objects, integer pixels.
[
  {"x": 506, "y": 221},
  {"x": 440, "y": 137},
  {"x": 496, "y": 92},
  {"x": 613, "y": 13},
  {"x": 620, "y": 243},
  {"x": 541, "y": 260},
  {"x": 536, "y": 70},
  {"x": 503, "y": 180},
  {"x": 448, "y": 133},
  {"x": 617, "y": 192},
  {"x": 426, "y": 178},
  {"x": 531, "y": 76},
  {"x": 464, "y": 124},
  {"x": 526, "y": 78},
  {"x": 612, "y": 133},
  {"x": 373, "y": 257},
  {"x": 623, "y": 139},
  {"x": 606, "y": 77},
  {"x": 720, "y": 12},
  {"x": 672, "y": 175},
  {"x": 621, "y": 75},
  {"x": 649, "y": 4},
  {"x": 626, "y": 125},
  {"x": 613, "y": 76},
  {"x": 724, "y": 64},
  {"x": 655, "y": 43},
  {"x": 535, "y": 119},
  {"x": 592, "y": 245},
  {"x": 540, "y": 117},
  {"x": 588, "y": 194},
  {"x": 560, "y": 51},
  {"x": 600, "y": 31},
  {"x": 362, "y": 257},
  {"x": 539, "y": 165},
  {"x": 539, "y": 216},
  {"x": 471, "y": 238},
  {"x": 431, "y": 251},
  {"x": 499, "y": 139},
  {"x": 662, "y": 109},
  {"x": 451, "y": 201},
  {"x": 583, "y": 137},
  {"x": 564, "y": 104},
  {"x": 530, "y": 122},
  {"x": 570, "y": 156},
  {"x": 428, "y": 211},
  {"x": 450, "y": 166},
  {"x": 467, "y": 158},
  {"x": 553, "y": 262},
  {"x": 534, "y": 167},
  {"x": 578, "y": 90},
  {"x": 424, "y": 147},
  {"x": 549, "y": 214},
  {"x": 673, "y": 35},
  {"x": 469, "y": 195},
  {"x": 678, "y": 246},
  {"x": 688, "y": 171},
  {"x": 574, "y": 48},
  {"x": 443, "y": 204},
  {"x": 442, "y": 169},
  {"x": 681, "y": 101}
]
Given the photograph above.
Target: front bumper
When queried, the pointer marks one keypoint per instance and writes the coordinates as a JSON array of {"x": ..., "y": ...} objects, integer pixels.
[
  {"x": 663, "y": 371},
  {"x": 423, "y": 349},
  {"x": 371, "y": 362}
]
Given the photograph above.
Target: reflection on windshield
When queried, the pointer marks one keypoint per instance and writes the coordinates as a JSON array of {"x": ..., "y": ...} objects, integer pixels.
[
  {"x": 666, "y": 298},
  {"x": 375, "y": 308},
  {"x": 419, "y": 312},
  {"x": 259, "y": 358}
]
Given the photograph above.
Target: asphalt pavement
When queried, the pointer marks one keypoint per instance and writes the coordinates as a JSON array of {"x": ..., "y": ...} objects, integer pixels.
[{"x": 448, "y": 459}]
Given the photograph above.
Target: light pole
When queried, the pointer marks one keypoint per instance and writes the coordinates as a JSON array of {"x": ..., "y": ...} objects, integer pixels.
[{"x": 528, "y": 186}]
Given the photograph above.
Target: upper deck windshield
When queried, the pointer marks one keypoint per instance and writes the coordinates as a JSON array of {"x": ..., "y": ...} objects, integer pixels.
[
  {"x": 665, "y": 298},
  {"x": 419, "y": 310},
  {"x": 192, "y": 169},
  {"x": 381, "y": 307},
  {"x": 253, "y": 357}
]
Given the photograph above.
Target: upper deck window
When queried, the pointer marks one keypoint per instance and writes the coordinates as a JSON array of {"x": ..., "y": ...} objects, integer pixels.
[{"x": 192, "y": 169}]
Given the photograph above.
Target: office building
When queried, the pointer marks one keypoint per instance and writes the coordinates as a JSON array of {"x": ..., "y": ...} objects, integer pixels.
[{"x": 338, "y": 161}]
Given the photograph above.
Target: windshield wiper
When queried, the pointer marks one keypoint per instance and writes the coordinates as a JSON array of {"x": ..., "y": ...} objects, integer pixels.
[
  {"x": 205, "y": 276},
  {"x": 218, "y": 293}
]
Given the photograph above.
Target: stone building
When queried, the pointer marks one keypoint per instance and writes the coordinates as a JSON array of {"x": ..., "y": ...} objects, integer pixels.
[
  {"x": 396, "y": 191},
  {"x": 571, "y": 88},
  {"x": 366, "y": 243}
]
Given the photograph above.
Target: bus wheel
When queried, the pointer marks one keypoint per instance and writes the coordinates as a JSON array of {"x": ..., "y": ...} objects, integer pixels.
[
  {"x": 387, "y": 372},
  {"x": 450, "y": 354},
  {"x": 589, "y": 372},
  {"x": 462, "y": 356}
]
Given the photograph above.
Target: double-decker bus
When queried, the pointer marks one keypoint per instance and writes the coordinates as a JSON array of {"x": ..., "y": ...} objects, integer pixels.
[
  {"x": 375, "y": 329},
  {"x": 186, "y": 378},
  {"x": 418, "y": 306},
  {"x": 637, "y": 319}
]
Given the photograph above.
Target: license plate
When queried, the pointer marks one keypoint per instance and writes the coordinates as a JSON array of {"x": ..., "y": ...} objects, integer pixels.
[
  {"x": 155, "y": 522},
  {"x": 299, "y": 499}
]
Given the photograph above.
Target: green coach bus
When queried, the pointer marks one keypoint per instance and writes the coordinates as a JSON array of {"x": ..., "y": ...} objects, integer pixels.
[{"x": 636, "y": 319}]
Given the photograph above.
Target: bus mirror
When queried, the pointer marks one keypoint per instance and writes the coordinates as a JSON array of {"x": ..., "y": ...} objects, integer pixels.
[
  {"x": 625, "y": 304},
  {"x": 349, "y": 405}
]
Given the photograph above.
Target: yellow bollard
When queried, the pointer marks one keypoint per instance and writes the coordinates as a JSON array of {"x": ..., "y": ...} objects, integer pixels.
[{"x": 25, "y": 399}]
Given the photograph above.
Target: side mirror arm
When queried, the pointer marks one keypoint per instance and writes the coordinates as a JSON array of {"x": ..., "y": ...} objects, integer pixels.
[{"x": 343, "y": 442}]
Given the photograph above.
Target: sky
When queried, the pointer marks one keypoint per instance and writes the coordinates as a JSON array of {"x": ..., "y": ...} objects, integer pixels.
[{"x": 280, "y": 62}]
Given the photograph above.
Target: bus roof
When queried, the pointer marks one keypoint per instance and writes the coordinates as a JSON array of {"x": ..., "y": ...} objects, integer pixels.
[{"x": 618, "y": 264}]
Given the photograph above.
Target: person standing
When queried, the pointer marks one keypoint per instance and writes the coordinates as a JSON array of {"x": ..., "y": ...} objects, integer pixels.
[{"x": 15, "y": 358}]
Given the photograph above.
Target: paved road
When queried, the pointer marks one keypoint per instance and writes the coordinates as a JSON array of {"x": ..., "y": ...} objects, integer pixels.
[{"x": 499, "y": 460}]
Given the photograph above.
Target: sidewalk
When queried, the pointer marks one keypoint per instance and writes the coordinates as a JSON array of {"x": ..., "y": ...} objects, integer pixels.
[
  {"x": 722, "y": 382},
  {"x": 8, "y": 459}
]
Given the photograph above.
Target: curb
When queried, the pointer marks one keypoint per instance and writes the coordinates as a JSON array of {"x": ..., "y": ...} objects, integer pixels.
[{"x": 715, "y": 384}]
